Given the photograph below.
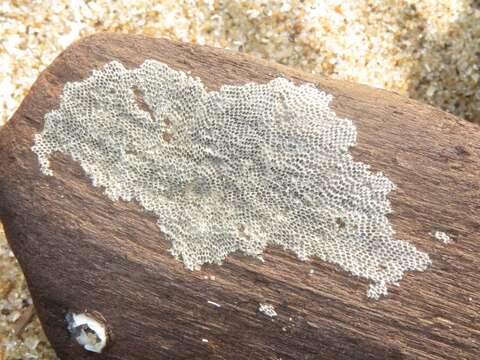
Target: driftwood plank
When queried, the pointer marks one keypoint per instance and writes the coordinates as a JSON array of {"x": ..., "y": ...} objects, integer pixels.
[{"x": 81, "y": 251}]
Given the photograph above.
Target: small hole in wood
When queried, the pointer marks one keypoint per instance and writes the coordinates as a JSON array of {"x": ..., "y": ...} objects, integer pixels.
[{"x": 89, "y": 330}]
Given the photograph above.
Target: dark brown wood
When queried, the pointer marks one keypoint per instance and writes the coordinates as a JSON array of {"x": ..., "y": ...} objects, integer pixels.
[{"x": 81, "y": 251}]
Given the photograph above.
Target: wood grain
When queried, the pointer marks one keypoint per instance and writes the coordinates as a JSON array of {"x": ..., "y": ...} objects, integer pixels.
[{"x": 81, "y": 251}]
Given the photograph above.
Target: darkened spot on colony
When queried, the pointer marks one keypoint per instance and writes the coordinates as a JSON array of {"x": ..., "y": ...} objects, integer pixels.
[
  {"x": 340, "y": 223},
  {"x": 382, "y": 268},
  {"x": 137, "y": 94},
  {"x": 167, "y": 137}
]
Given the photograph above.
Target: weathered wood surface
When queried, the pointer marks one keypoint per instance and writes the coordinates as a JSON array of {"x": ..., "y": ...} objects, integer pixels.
[{"x": 79, "y": 250}]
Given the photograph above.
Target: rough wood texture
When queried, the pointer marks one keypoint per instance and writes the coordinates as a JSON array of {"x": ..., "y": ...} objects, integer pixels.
[{"x": 81, "y": 251}]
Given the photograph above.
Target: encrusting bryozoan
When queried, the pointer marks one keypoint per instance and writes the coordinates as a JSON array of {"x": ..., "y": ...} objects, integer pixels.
[
  {"x": 267, "y": 309},
  {"x": 443, "y": 237},
  {"x": 241, "y": 168}
]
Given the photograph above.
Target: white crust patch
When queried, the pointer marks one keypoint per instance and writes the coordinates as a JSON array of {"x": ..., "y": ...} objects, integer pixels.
[
  {"x": 241, "y": 168},
  {"x": 443, "y": 237},
  {"x": 267, "y": 309}
]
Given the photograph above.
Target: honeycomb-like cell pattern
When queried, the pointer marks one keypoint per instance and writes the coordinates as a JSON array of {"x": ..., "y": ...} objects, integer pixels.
[
  {"x": 236, "y": 169},
  {"x": 267, "y": 309},
  {"x": 443, "y": 237}
]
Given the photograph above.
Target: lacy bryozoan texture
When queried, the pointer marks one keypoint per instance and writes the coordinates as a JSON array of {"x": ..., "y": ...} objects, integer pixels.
[{"x": 241, "y": 168}]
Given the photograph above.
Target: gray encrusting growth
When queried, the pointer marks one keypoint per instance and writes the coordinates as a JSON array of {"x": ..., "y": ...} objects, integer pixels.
[
  {"x": 236, "y": 169},
  {"x": 267, "y": 309},
  {"x": 443, "y": 237}
]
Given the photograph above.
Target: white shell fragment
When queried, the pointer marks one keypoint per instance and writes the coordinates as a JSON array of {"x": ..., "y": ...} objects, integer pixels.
[
  {"x": 268, "y": 310},
  {"x": 213, "y": 303},
  {"x": 87, "y": 331},
  {"x": 443, "y": 237},
  {"x": 241, "y": 168}
]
